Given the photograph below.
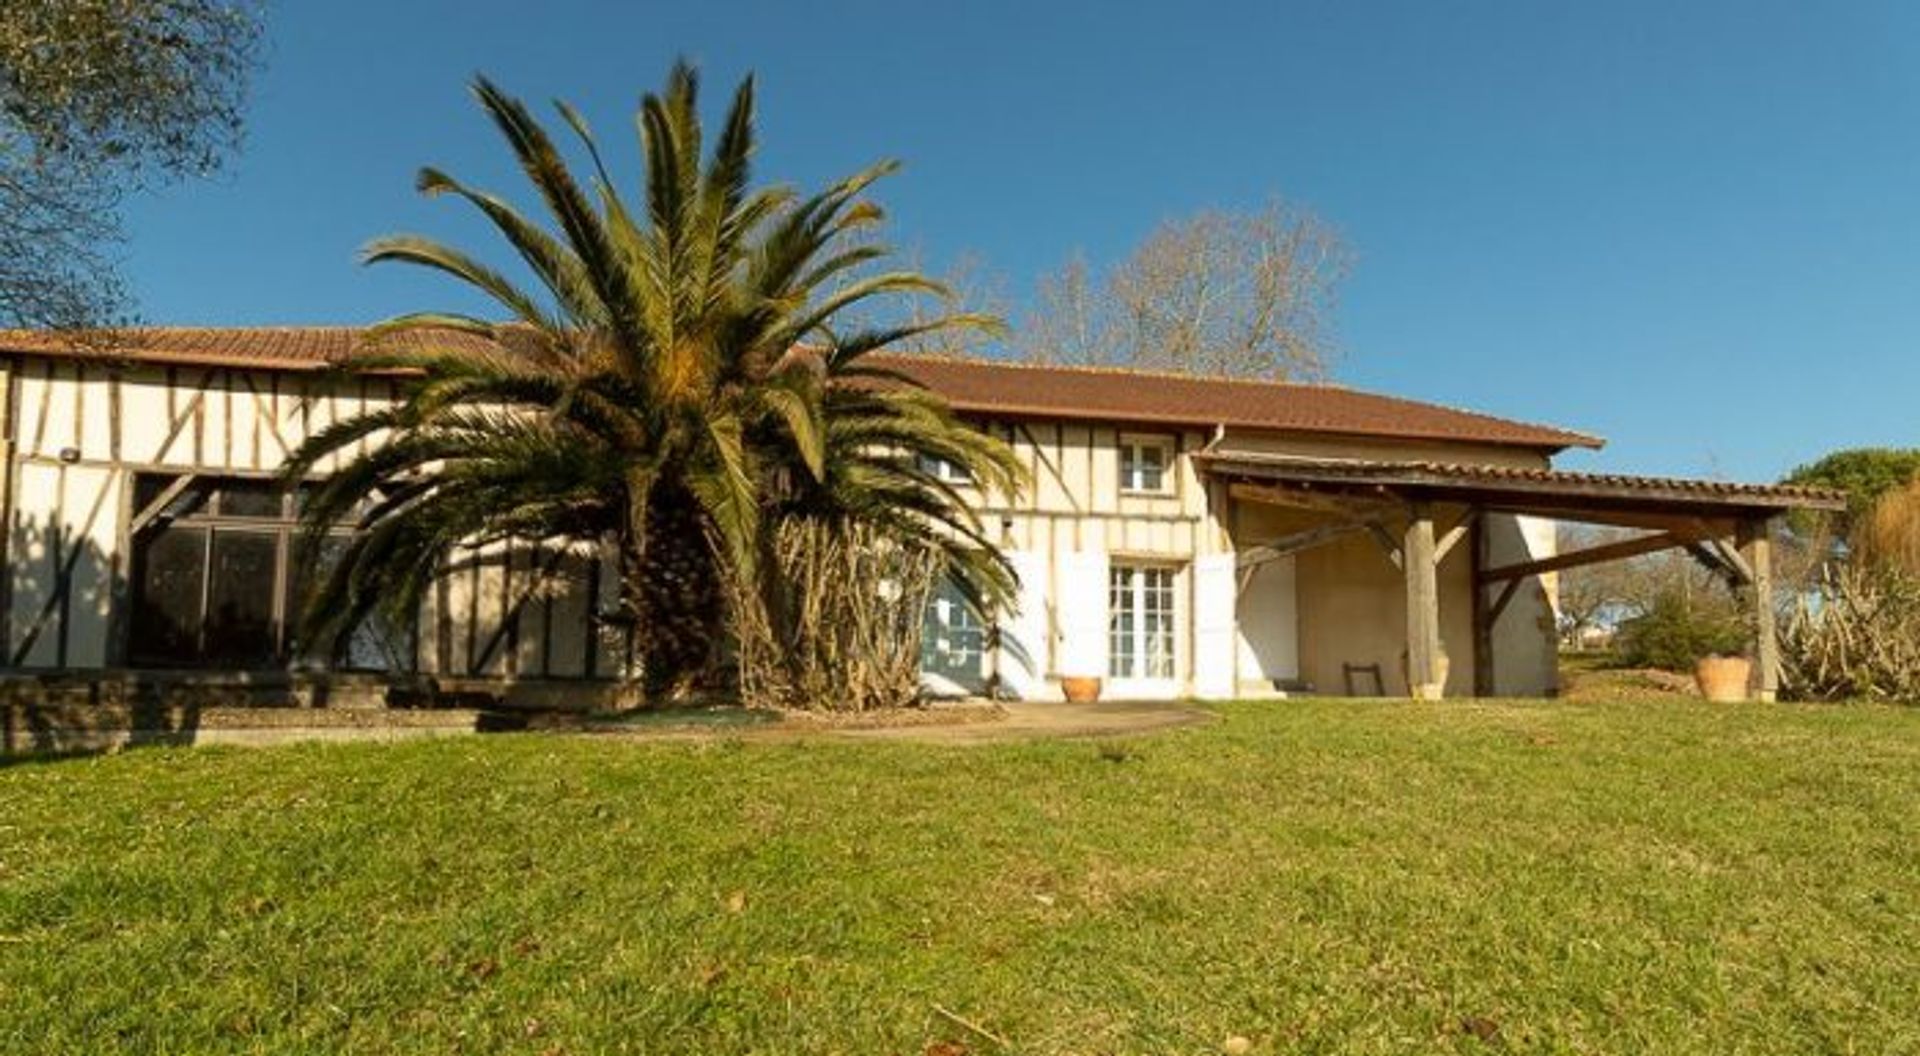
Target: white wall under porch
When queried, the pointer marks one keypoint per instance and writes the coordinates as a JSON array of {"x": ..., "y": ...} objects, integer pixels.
[{"x": 1267, "y": 635}]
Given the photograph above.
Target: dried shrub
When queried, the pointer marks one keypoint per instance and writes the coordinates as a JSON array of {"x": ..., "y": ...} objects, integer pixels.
[
  {"x": 834, "y": 620},
  {"x": 1889, "y": 535},
  {"x": 1856, "y": 638}
]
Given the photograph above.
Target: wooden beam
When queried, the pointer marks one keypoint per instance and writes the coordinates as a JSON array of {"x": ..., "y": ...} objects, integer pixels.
[
  {"x": 1506, "y": 595},
  {"x": 1288, "y": 545},
  {"x": 1468, "y": 517},
  {"x": 1423, "y": 607},
  {"x": 1756, "y": 547},
  {"x": 1387, "y": 543},
  {"x": 1318, "y": 501},
  {"x": 1736, "y": 564},
  {"x": 160, "y": 502},
  {"x": 1649, "y": 520},
  {"x": 1625, "y": 548}
]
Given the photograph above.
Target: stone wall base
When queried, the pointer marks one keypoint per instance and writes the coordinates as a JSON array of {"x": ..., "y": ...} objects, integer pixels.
[{"x": 94, "y": 711}]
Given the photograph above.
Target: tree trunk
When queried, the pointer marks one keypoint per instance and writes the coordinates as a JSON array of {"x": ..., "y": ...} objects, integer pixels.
[{"x": 673, "y": 580}]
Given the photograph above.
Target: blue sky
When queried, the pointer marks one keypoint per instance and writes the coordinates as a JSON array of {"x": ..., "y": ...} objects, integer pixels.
[{"x": 1691, "y": 228}]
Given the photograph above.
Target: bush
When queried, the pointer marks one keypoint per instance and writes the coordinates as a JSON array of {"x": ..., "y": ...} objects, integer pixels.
[
  {"x": 1857, "y": 638},
  {"x": 833, "y": 622},
  {"x": 1679, "y": 628}
]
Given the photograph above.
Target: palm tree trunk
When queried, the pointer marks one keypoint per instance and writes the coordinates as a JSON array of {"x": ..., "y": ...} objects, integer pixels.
[{"x": 672, "y": 578}]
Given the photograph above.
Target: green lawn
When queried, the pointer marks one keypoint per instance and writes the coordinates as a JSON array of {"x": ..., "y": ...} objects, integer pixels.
[{"x": 1315, "y": 876}]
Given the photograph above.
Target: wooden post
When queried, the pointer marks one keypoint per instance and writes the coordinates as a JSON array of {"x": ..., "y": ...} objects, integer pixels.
[
  {"x": 1423, "y": 606},
  {"x": 1756, "y": 547},
  {"x": 1479, "y": 546}
]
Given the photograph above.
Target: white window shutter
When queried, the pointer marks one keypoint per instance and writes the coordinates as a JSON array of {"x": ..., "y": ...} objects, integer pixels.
[
  {"x": 1082, "y": 608},
  {"x": 1215, "y": 586}
]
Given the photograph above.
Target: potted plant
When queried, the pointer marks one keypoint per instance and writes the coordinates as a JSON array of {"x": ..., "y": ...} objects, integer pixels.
[
  {"x": 1723, "y": 679},
  {"x": 1722, "y": 669},
  {"x": 1680, "y": 632}
]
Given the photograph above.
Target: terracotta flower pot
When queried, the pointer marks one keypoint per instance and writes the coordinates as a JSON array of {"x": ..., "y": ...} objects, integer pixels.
[
  {"x": 1723, "y": 679},
  {"x": 1080, "y": 689}
]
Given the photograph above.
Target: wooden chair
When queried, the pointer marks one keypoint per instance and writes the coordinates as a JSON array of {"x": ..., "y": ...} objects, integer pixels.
[{"x": 1347, "y": 671}]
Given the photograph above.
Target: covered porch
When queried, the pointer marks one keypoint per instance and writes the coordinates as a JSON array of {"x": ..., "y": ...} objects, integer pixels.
[{"x": 1462, "y": 541}]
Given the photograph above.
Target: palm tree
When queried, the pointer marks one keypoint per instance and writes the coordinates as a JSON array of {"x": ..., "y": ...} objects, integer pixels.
[{"x": 675, "y": 383}]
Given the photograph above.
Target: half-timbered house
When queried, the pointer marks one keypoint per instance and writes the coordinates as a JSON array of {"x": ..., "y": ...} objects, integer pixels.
[{"x": 1181, "y": 537}]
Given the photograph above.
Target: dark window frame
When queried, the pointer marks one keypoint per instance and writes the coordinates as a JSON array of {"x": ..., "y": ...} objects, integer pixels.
[{"x": 207, "y": 507}]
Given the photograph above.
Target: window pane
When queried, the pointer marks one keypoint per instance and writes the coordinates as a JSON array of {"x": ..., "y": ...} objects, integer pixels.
[
  {"x": 1158, "y": 601},
  {"x": 300, "y": 580},
  {"x": 169, "y": 572},
  {"x": 250, "y": 498},
  {"x": 953, "y": 638},
  {"x": 240, "y": 616},
  {"x": 1120, "y": 619},
  {"x": 375, "y": 645},
  {"x": 1143, "y": 466}
]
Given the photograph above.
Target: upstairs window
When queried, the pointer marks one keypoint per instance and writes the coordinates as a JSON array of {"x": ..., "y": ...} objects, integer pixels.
[
  {"x": 1146, "y": 464},
  {"x": 942, "y": 469}
]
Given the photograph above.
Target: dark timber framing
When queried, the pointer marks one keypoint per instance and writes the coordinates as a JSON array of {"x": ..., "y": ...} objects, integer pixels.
[{"x": 1729, "y": 528}]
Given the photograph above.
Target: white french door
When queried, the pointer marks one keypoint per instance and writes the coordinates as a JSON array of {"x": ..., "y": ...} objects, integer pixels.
[{"x": 1140, "y": 627}]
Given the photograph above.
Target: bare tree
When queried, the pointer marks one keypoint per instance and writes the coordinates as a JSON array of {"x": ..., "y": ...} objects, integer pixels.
[
  {"x": 971, "y": 287},
  {"x": 97, "y": 98},
  {"x": 1219, "y": 293},
  {"x": 1601, "y": 596}
]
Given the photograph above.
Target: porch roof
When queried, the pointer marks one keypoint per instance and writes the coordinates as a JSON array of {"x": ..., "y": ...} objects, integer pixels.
[{"x": 1542, "y": 492}]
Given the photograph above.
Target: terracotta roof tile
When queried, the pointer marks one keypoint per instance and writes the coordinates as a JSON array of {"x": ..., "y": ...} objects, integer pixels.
[
  {"x": 1114, "y": 394},
  {"x": 977, "y": 385},
  {"x": 261, "y": 347}
]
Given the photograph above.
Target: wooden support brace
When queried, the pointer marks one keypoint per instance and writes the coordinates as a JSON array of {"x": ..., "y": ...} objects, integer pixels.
[
  {"x": 1388, "y": 545},
  {"x": 160, "y": 502},
  {"x": 1297, "y": 542},
  {"x": 1625, "y": 548},
  {"x": 1456, "y": 533},
  {"x": 1506, "y": 595},
  {"x": 1737, "y": 565},
  {"x": 1320, "y": 502}
]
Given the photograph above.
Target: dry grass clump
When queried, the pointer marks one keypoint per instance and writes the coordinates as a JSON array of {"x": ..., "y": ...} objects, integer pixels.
[
  {"x": 1856, "y": 635},
  {"x": 1856, "y": 638}
]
